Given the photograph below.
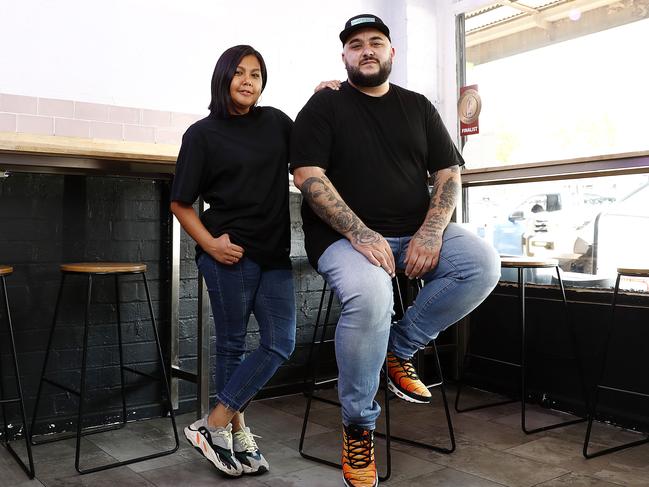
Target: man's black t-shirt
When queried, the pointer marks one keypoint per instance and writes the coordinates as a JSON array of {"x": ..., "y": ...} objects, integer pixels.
[
  {"x": 377, "y": 152},
  {"x": 239, "y": 166}
]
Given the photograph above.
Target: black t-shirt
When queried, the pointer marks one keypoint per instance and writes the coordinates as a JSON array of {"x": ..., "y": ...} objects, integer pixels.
[
  {"x": 239, "y": 165},
  {"x": 377, "y": 152}
]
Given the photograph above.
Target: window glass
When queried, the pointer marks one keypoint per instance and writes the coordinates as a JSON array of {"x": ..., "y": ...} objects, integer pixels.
[
  {"x": 545, "y": 100},
  {"x": 592, "y": 226}
]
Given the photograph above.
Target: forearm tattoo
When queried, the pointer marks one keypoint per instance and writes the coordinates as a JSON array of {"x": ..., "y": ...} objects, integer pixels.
[
  {"x": 329, "y": 206},
  {"x": 442, "y": 203}
]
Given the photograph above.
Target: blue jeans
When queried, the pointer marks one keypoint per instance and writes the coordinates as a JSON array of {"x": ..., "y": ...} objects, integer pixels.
[
  {"x": 236, "y": 291},
  {"x": 468, "y": 269}
]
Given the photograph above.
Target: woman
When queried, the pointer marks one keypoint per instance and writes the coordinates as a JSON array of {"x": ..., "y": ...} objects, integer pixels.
[{"x": 236, "y": 159}]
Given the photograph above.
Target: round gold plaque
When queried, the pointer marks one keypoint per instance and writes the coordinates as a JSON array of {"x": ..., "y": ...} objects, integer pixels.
[{"x": 469, "y": 106}]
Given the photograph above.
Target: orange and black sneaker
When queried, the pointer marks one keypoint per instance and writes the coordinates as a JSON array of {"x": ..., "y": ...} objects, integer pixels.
[
  {"x": 359, "y": 466},
  {"x": 404, "y": 381}
]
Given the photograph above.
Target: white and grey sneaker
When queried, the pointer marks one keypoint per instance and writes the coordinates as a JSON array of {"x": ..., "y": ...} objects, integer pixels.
[
  {"x": 247, "y": 452},
  {"x": 215, "y": 445}
]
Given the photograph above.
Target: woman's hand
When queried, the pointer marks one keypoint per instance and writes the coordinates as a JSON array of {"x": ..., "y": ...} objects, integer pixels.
[
  {"x": 224, "y": 251},
  {"x": 333, "y": 84}
]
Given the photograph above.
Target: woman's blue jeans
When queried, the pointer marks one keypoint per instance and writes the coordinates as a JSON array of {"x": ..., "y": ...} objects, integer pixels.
[
  {"x": 236, "y": 291},
  {"x": 468, "y": 270}
]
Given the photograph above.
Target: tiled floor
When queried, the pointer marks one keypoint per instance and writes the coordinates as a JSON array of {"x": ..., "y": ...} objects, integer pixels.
[{"x": 491, "y": 451}]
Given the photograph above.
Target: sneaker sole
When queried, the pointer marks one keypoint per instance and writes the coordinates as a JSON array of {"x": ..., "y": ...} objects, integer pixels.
[
  {"x": 199, "y": 443},
  {"x": 250, "y": 471},
  {"x": 403, "y": 396},
  {"x": 350, "y": 485}
]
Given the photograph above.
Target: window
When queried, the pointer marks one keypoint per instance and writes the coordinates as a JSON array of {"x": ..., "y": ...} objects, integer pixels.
[{"x": 559, "y": 83}]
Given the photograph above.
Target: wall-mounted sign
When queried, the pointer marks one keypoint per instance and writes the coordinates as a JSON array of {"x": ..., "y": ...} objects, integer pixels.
[{"x": 468, "y": 107}]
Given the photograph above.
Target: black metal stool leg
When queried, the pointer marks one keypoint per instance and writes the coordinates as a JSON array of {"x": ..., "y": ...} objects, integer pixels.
[
  {"x": 120, "y": 344},
  {"x": 82, "y": 387},
  {"x": 163, "y": 369},
  {"x": 30, "y": 471},
  {"x": 593, "y": 405},
  {"x": 47, "y": 355},
  {"x": 576, "y": 357}
]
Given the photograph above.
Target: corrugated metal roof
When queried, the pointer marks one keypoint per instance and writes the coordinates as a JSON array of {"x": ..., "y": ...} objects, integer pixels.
[{"x": 497, "y": 13}]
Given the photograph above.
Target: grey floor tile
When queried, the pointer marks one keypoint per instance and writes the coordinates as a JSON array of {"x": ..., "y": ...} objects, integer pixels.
[
  {"x": 446, "y": 477},
  {"x": 497, "y": 466},
  {"x": 575, "y": 480},
  {"x": 12, "y": 474},
  {"x": 536, "y": 417},
  {"x": 196, "y": 474},
  {"x": 56, "y": 460},
  {"x": 121, "y": 476},
  {"x": 491, "y": 451},
  {"x": 550, "y": 450},
  {"x": 316, "y": 476},
  {"x": 627, "y": 467}
]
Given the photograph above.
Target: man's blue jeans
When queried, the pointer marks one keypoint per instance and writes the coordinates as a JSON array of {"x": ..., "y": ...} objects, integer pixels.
[
  {"x": 468, "y": 269},
  {"x": 236, "y": 291}
]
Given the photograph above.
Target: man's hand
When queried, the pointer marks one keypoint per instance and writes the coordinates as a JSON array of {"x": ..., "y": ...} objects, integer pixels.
[
  {"x": 224, "y": 251},
  {"x": 422, "y": 255},
  {"x": 333, "y": 84},
  {"x": 423, "y": 251},
  {"x": 375, "y": 248}
]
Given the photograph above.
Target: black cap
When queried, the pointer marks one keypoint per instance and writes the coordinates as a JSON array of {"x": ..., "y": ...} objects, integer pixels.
[{"x": 363, "y": 21}]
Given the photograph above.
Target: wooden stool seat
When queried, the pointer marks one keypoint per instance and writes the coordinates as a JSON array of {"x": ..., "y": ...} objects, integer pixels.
[
  {"x": 103, "y": 267},
  {"x": 5, "y": 270},
  {"x": 633, "y": 271},
  {"x": 528, "y": 262}
]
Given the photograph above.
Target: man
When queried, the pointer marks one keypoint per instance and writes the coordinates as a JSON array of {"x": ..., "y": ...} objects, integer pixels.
[{"x": 362, "y": 156}]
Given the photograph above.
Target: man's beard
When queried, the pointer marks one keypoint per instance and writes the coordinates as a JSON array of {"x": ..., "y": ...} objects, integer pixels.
[{"x": 369, "y": 80}]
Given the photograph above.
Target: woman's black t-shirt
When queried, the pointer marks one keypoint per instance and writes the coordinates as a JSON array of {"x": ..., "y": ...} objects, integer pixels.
[{"x": 239, "y": 165}]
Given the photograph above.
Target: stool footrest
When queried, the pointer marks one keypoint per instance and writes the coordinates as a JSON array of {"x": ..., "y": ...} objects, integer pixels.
[
  {"x": 9, "y": 401},
  {"x": 624, "y": 391},
  {"x": 491, "y": 359},
  {"x": 183, "y": 374},
  {"x": 438, "y": 449},
  {"x": 61, "y": 386},
  {"x": 143, "y": 374},
  {"x": 325, "y": 382},
  {"x": 92, "y": 430}
]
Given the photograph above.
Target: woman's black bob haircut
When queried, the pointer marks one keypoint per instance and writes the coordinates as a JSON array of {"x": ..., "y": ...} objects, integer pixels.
[{"x": 223, "y": 74}]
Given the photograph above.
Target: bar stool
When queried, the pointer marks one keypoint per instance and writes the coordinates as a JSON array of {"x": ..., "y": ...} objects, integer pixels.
[
  {"x": 92, "y": 270},
  {"x": 522, "y": 263},
  {"x": 621, "y": 271},
  {"x": 6, "y": 271},
  {"x": 311, "y": 383}
]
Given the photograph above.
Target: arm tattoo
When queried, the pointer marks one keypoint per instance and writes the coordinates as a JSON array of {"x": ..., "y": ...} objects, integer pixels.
[
  {"x": 329, "y": 206},
  {"x": 442, "y": 204}
]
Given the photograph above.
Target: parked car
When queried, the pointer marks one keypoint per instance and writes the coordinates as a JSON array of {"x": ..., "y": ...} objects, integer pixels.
[{"x": 544, "y": 224}]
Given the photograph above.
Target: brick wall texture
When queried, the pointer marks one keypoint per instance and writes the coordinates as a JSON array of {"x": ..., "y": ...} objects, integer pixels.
[{"x": 48, "y": 116}]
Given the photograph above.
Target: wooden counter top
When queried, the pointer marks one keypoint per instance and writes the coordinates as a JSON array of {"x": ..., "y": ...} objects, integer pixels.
[{"x": 46, "y": 153}]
